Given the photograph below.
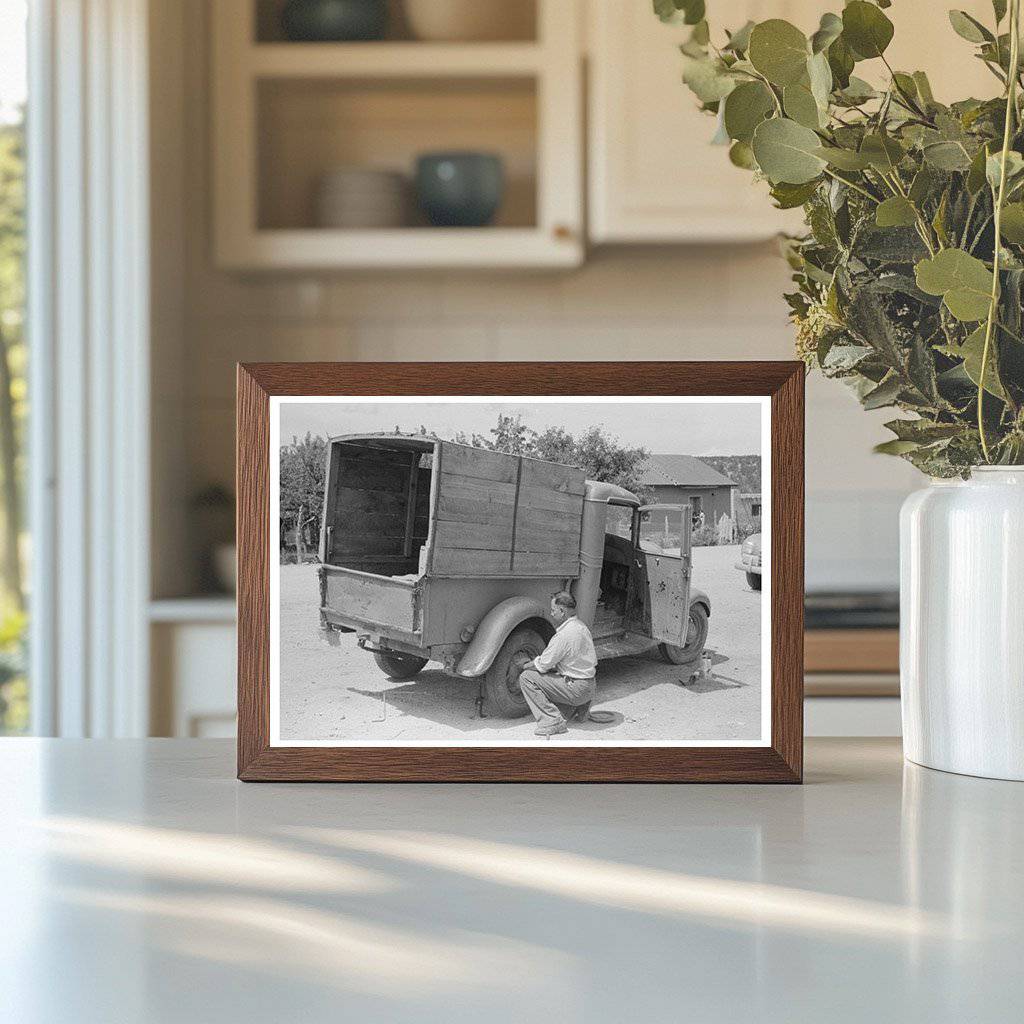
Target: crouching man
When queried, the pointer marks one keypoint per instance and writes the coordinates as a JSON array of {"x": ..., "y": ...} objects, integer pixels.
[{"x": 563, "y": 672}]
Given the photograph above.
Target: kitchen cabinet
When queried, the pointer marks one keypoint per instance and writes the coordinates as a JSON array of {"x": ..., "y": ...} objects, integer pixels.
[
  {"x": 287, "y": 114},
  {"x": 654, "y": 177}
]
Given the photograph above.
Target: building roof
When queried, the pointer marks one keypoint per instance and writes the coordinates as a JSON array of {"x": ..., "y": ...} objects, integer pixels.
[{"x": 681, "y": 471}]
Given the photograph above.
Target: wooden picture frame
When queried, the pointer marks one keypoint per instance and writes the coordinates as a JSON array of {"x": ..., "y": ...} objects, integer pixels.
[{"x": 780, "y": 760}]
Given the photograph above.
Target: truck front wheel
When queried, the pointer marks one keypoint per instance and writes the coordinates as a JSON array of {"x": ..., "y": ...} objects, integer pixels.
[
  {"x": 696, "y": 637},
  {"x": 754, "y": 580},
  {"x": 501, "y": 681},
  {"x": 398, "y": 666}
]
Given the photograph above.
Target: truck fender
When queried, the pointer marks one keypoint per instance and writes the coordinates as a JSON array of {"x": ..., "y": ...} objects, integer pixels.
[
  {"x": 699, "y": 597},
  {"x": 494, "y": 630}
]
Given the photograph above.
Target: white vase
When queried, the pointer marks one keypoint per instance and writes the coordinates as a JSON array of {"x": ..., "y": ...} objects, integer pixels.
[{"x": 962, "y": 624}]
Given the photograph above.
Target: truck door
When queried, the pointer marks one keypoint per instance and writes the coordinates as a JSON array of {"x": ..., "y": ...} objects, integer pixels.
[{"x": 660, "y": 605}]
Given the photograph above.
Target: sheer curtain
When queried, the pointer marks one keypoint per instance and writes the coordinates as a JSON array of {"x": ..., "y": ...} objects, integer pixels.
[{"x": 88, "y": 303}]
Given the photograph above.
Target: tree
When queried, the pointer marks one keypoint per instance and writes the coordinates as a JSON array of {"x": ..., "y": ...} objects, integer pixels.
[
  {"x": 599, "y": 454},
  {"x": 12, "y": 350},
  {"x": 303, "y": 474}
]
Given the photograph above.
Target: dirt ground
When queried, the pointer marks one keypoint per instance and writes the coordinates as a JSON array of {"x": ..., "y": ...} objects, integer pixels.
[{"x": 338, "y": 693}]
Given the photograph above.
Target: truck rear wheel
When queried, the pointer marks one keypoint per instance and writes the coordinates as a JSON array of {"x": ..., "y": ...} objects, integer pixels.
[
  {"x": 501, "y": 681},
  {"x": 398, "y": 666},
  {"x": 754, "y": 580},
  {"x": 696, "y": 637}
]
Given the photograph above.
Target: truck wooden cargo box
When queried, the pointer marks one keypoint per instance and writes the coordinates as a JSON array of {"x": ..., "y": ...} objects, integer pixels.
[{"x": 433, "y": 550}]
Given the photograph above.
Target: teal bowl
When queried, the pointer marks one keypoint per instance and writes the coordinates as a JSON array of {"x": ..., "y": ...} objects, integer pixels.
[
  {"x": 462, "y": 190},
  {"x": 334, "y": 21}
]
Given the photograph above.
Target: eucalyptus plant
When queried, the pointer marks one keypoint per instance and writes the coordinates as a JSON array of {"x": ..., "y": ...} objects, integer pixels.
[{"x": 910, "y": 277}]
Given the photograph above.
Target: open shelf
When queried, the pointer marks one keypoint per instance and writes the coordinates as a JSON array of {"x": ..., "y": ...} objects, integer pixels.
[
  {"x": 309, "y": 127},
  {"x": 393, "y": 60}
]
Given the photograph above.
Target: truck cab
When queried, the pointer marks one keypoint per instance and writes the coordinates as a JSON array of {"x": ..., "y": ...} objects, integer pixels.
[{"x": 437, "y": 551}]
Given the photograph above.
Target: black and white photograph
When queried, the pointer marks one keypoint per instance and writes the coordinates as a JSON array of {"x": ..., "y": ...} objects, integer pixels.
[{"x": 516, "y": 571}]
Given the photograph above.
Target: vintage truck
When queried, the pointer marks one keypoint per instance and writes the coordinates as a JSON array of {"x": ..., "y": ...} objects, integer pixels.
[{"x": 437, "y": 551}]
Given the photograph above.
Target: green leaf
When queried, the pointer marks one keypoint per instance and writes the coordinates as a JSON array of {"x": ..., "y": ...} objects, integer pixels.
[
  {"x": 707, "y": 78},
  {"x": 922, "y": 185},
  {"x": 844, "y": 159},
  {"x": 947, "y": 156},
  {"x": 906, "y": 84},
  {"x": 895, "y": 447},
  {"x": 779, "y": 51},
  {"x": 690, "y": 12},
  {"x": 858, "y": 91},
  {"x": 883, "y": 152},
  {"x": 741, "y": 155},
  {"x": 666, "y": 10},
  {"x": 739, "y": 41},
  {"x": 866, "y": 29},
  {"x": 922, "y": 431},
  {"x": 895, "y": 212},
  {"x": 829, "y": 30},
  {"x": 885, "y": 394},
  {"x": 745, "y": 108},
  {"x": 999, "y": 9},
  {"x": 963, "y": 281},
  {"x": 1011, "y": 226},
  {"x": 939, "y": 220},
  {"x": 840, "y": 61},
  {"x": 787, "y": 151},
  {"x": 701, "y": 34},
  {"x": 924, "y": 88},
  {"x": 993, "y": 166},
  {"x": 971, "y": 352},
  {"x": 969, "y": 28},
  {"x": 693, "y": 10},
  {"x": 976, "y": 173},
  {"x": 819, "y": 74},
  {"x": 788, "y": 196},
  {"x": 801, "y": 106}
]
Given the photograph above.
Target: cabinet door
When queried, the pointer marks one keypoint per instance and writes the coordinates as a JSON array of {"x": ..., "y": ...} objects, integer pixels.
[
  {"x": 654, "y": 177},
  {"x": 653, "y": 174}
]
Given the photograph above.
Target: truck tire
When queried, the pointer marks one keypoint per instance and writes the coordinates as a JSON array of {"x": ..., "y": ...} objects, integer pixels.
[
  {"x": 754, "y": 580},
  {"x": 398, "y": 666},
  {"x": 696, "y": 637},
  {"x": 504, "y": 698}
]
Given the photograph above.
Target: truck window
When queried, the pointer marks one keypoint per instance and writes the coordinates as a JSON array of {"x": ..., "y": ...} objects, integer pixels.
[
  {"x": 619, "y": 521},
  {"x": 661, "y": 529}
]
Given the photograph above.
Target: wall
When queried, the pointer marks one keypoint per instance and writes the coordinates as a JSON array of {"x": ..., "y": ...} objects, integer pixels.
[
  {"x": 650, "y": 303},
  {"x": 715, "y": 502}
]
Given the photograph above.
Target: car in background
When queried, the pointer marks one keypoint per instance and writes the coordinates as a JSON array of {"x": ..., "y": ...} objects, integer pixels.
[{"x": 750, "y": 560}]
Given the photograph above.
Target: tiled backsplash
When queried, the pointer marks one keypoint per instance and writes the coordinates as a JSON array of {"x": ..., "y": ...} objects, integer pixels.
[{"x": 717, "y": 303}]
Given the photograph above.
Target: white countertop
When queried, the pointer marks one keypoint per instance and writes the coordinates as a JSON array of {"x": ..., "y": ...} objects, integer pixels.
[{"x": 140, "y": 882}]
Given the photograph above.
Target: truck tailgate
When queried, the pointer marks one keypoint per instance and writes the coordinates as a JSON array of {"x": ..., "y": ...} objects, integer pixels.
[{"x": 386, "y": 601}]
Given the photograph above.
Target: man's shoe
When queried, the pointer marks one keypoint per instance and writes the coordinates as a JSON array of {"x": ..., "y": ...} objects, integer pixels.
[
  {"x": 553, "y": 729},
  {"x": 582, "y": 713}
]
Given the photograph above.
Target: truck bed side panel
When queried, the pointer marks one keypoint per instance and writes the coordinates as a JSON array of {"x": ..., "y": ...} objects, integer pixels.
[
  {"x": 474, "y": 517},
  {"x": 548, "y": 517}
]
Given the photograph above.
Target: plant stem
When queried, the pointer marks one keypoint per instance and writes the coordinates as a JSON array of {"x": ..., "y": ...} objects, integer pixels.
[
  {"x": 1011, "y": 108},
  {"x": 853, "y": 185}
]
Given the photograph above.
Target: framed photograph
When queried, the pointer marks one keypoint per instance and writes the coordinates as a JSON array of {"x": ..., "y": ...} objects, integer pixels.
[{"x": 520, "y": 571}]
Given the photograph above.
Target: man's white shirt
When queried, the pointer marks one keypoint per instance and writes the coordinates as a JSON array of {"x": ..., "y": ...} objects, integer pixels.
[{"x": 570, "y": 652}]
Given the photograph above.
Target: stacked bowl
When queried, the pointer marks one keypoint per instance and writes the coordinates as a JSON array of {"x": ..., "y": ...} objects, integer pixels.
[{"x": 362, "y": 197}]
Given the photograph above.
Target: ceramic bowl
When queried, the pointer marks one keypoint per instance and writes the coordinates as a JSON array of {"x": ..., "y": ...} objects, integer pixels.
[
  {"x": 470, "y": 20},
  {"x": 359, "y": 197},
  {"x": 460, "y": 189},
  {"x": 332, "y": 21}
]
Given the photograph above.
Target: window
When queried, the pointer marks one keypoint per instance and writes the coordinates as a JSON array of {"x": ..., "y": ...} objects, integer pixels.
[
  {"x": 14, "y": 707},
  {"x": 619, "y": 520}
]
